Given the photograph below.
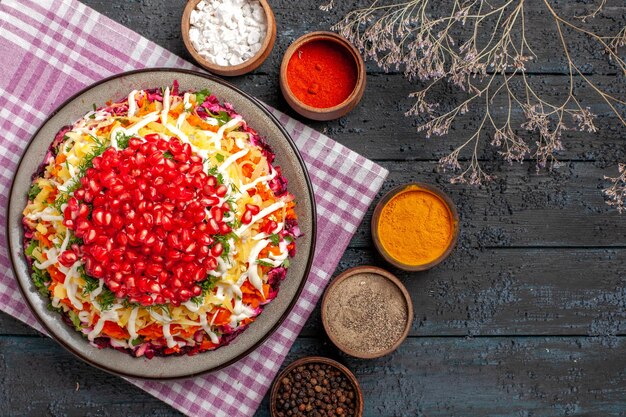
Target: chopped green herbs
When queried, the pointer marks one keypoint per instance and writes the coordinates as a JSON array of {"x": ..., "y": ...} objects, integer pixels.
[
  {"x": 94, "y": 107},
  {"x": 201, "y": 96},
  {"x": 168, "y": 155},
  {"x": 275, "y": 239},
  {"x": 224, "y": 240},
  {"x": 40, "y": 278},
  {"x": 34, "y": 191},
  {"x": 207, "y": 285},
  {"x": 63, "y": 197},
  {"x": 106, "y": 299},
  {"x": 222, "y": 117},
  {"x": 285, "y": 263},
  {"x": 122, "y": 140},
  {"x": 264, "y": 263},
  {"x": 219, "y": 157},
  {"x": 139, "y": 340},
  {"x": 91, "y": 284},
  {"x": 213, "y": 171}
]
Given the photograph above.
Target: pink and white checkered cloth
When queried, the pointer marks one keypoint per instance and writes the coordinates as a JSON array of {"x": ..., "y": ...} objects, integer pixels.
[{"x": 50, "y": 49}]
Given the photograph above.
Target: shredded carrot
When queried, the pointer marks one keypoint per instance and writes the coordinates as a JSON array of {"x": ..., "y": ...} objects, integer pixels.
[
  {"x": 207, "y": 344},
  {"x": 114, "y": 330},
  {"x": 222, "y": 318},
  {"x": 56, "y": 275},
  {"x": 177, "y": 328},
  {"x": 247, "y": 170},
  {"x": 264, "y": 192},
  {"x": 196, "y": 121},
  {"x": 151, "y": 332}
]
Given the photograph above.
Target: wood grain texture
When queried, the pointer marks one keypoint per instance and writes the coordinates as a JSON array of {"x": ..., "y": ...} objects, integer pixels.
[
  {"x": 447, "y": 377},
  {"x": 528, "y": 315}
]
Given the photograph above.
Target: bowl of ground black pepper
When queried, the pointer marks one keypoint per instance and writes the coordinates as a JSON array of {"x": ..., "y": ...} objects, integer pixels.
[
  {"x": 367, "y": 312},
  {"x": 322, "y": 76},
  {"x": 318, "y": 387}
]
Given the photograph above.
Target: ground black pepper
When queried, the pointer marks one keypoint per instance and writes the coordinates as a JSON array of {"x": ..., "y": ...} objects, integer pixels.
[
  {"x": 321, "y": 390},
  {"x": 366, "y": 313}
]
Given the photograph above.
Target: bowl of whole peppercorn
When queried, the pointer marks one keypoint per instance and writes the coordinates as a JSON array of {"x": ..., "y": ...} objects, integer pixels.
[{"x": 316, "y": 387}]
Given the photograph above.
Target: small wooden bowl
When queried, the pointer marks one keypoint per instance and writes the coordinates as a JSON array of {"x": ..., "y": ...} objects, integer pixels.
[
  {"x": 367, "y": 270},
  {"x": 317, "y": 360},
  {"x": 376, "y": 217},
  {"x": 243, "y": 68},
  {"x": 328, "y": 113}
]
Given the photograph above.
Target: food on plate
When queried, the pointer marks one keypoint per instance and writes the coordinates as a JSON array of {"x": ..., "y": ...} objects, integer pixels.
[{"x": 158, "y": 224}]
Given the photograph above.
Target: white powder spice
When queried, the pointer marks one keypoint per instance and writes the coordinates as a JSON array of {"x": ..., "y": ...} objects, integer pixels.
[{"x": 227, "y": 32}]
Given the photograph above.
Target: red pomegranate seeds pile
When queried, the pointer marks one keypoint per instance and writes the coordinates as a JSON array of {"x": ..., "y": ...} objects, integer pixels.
[{"x": 141, "y": 213}]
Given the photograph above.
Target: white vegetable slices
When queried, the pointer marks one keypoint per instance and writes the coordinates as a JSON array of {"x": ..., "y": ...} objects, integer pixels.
[{"x": 157, "y": 224}]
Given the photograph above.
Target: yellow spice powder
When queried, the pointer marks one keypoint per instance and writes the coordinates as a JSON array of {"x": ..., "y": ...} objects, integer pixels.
[{"x": 415, "y": 227}]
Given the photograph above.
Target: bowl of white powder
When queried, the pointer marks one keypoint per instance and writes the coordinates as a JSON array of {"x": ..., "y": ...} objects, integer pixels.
[{"x": 229, "y": 37}]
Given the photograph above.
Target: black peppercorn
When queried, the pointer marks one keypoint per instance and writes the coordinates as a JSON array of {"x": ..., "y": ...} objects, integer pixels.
[{"x": 315, "y": 390}]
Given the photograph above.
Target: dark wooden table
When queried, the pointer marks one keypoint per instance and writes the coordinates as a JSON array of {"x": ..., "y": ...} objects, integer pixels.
[{"x": 526, "y": 318}]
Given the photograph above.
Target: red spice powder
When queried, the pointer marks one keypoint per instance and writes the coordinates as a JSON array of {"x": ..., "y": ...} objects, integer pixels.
[{"x": 321, "y": 74}]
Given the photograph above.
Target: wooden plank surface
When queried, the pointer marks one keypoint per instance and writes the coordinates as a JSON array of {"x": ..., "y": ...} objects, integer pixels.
[
  {"x": 426, "y": 376},
  {"x": 526, "y": 318}
]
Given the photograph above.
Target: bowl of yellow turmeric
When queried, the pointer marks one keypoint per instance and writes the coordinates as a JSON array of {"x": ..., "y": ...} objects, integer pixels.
[{"x": 415, "y": 226}]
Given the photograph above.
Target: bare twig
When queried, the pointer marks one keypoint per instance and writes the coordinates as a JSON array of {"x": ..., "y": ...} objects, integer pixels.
[{"x": 480, "y": 46}]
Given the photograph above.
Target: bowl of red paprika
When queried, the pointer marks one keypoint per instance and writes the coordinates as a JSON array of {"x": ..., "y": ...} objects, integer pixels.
[{"x": 322, "y": 76}]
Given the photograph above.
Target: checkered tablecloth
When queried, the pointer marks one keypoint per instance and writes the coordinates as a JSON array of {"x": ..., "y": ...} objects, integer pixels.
[{"x": 49, "y": 50}]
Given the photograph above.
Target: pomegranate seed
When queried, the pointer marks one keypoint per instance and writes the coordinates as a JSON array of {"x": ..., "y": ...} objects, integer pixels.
[
  {"x": 211, "y": 264},
  {"x": 148, "y": 236},
  {"x": 155, "y": 288},
  {"x": 134, "y": 143},
  {"x": 142, "y": 283},
  {"x": 217, "y": 249},
  {"x": 90, "y": 236},
  {"x": 98, "y": 253},
  {"x": 145, "y": 300},
  {"x": 253, "y": 209},
  {"x": 67, "y": 258},
  {"x": 154, "y": 270},
  {"x": 213, "y": 227},
  {"x": 204, "y": 239},
  {"x": 269, "y": 227},
  {"x": 221, "y": 190},
  {"x": 152, "y": 137},
  {"x": 247, "y": 217},
  {"x": 203, "y": 251},
  {"x": 217, "y": 213},
  {"x": 97, "y": 271},
  {"x": 83, "y": 211}
]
